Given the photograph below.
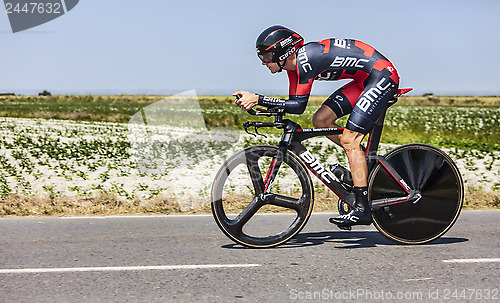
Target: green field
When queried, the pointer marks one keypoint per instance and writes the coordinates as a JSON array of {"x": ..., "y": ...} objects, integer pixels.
[
  {"x": 64, "y": 155},
  {"x": 460, "y": 122}
]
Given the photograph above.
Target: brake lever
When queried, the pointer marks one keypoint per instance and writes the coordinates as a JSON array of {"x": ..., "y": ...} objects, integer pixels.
[
  {"x": 246, "y": 130},
  {"x": 247, "y": 125},
  {"x": 256, "y": 132}
]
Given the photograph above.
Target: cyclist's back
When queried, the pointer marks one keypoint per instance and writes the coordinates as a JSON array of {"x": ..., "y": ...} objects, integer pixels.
[{"x": 336, "y": 59}]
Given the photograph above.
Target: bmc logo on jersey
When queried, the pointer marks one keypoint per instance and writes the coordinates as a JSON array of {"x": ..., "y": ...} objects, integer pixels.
[
  {"x": 303, "y": 59},
  {"x": 340, "y": 43},
  {"x": 271, "y": 99},
  {"x": 373, "y": 93},
  {"x": 348, "y": 62}
]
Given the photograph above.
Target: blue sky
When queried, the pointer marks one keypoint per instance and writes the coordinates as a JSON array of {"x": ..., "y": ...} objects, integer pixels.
[{"x": 123, "y": 46}]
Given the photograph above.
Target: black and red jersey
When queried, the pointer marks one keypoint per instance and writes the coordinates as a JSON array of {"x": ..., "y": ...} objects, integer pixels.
[{"x": 331, "y": 59}]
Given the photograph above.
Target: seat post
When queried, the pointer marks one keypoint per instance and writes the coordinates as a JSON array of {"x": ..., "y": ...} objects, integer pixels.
[{"x": 374, "y": 140}]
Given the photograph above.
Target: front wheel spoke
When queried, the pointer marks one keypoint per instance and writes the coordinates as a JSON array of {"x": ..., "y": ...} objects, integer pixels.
[
  {"x": 287, "y": 202},
  {"x": 238, "y": 222}
]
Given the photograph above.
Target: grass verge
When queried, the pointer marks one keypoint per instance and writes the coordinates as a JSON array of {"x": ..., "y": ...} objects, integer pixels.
[
  {"x": 109, "y": 204},
  {"x": 100, "y": 205}
]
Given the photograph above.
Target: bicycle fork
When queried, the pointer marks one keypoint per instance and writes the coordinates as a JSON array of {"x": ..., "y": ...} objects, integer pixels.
[
  {"x": 275, "y": 165},
  {"x": 272, "y": 171}
]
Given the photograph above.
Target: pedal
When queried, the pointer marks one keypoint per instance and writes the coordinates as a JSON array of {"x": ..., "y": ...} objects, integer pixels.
[{"x": 345, "y": 227}]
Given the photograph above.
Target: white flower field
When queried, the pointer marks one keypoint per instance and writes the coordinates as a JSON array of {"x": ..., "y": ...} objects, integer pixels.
[{"x": 69, "y": 159}]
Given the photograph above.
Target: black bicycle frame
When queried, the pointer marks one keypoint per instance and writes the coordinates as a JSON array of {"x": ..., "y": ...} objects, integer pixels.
[{"x": 292, "y": 138}]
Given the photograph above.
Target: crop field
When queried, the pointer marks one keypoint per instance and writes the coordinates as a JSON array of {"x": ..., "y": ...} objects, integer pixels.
[{"x": 82, "y": 165}]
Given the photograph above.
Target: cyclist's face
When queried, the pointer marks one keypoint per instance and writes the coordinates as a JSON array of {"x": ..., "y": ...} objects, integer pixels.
[
  {"x": 273, "y": 67},
  {"x": 266, "y": 59}
]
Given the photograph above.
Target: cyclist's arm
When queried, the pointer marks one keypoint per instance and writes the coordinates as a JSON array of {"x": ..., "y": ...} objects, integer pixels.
[
  {"x": 295, "y": 105},
  {"x": 298, "y": 95}
]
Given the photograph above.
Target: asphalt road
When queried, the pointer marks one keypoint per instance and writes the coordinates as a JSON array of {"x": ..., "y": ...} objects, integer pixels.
[{"x": 188, "y": 259}]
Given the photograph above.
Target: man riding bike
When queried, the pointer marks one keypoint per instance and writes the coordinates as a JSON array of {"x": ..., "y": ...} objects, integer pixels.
[{"x": 374, "y": 83}]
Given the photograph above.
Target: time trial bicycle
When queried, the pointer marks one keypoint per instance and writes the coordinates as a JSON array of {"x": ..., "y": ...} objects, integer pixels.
[{"x": 415, "y": 190}]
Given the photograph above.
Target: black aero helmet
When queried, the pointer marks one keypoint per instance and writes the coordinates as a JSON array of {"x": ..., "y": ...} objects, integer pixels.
[{"x": 276, "y": 43}]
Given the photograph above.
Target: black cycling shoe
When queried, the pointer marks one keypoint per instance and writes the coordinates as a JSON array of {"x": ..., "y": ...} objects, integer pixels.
[
  {"x": 360, "y": 215},
  {"x": 354, "y": 217}
]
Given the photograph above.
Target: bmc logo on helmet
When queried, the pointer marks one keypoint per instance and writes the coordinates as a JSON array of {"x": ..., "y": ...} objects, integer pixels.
[
  {"x": 371, "y": 94},
  {"x": 286, "y": 42}
]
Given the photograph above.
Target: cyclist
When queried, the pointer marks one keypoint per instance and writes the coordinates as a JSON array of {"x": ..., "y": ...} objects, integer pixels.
[{"x": 374, "y": 82}]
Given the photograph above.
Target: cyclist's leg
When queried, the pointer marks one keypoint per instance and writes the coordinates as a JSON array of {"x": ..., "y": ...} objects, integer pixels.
[
  {"x": 339, "y": 103},
  {"x": 379, "y": 88},
  {"x": 351, "y": 142},
  {"x": 360, "y": 214}
]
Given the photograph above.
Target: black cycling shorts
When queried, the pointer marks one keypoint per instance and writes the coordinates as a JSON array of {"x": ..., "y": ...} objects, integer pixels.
[{"x": 365, "y": 101}]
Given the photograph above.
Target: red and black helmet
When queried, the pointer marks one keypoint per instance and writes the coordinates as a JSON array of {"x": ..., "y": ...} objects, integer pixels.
[{"x": 276, "y": 43}]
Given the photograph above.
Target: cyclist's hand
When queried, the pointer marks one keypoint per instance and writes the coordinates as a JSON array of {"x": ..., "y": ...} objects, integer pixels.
[{"x": 247, "y": 100}]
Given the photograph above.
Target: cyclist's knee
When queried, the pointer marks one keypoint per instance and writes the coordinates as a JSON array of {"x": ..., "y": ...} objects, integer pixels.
[
  {"x": 319, "y": 122},
  {"x": 346, "y": 142},
  {"x": 324, "y": 117},
  {"x": 351, "y": 141}
]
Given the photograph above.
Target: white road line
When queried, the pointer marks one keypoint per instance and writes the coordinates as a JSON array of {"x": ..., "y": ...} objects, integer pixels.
[
  {"x": 484, "y": 260},
  {"x": 112, "y": 217},
  {"x": 122, "y": 268},
  {"x": 153, "y": 216},
  {"x": 417, "y": 279},
  {"x": 168, "y": 216}
]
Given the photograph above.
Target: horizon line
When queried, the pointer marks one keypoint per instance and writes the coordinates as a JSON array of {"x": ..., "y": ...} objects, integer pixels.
[{"x": 219, "y": 92}]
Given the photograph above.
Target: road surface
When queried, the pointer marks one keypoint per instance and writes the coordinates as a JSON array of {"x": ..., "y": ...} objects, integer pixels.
[{"x": 188, "y": 259}]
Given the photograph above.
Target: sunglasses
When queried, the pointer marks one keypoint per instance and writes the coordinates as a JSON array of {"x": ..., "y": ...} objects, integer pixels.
[{"x": 266, "y": 57}]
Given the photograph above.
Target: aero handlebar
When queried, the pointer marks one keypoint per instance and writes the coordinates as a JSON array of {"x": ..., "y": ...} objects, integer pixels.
[{"x": 272, "y": 111}]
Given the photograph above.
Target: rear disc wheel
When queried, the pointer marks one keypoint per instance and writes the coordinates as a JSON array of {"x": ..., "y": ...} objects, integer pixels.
[{"x": 431, "y": 173}]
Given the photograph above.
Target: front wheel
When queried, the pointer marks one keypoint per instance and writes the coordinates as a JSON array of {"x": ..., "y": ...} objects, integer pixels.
[
  {"x": 432, "y": 174},
  {"x": 237, "y": 198}
]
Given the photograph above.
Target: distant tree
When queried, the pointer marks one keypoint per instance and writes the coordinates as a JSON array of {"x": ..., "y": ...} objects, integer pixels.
[{"x": 45, "y": 93}]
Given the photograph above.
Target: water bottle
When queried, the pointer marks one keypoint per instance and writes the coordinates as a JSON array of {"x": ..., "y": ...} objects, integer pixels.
[{"x": 343, "y": 175}]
